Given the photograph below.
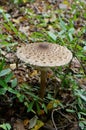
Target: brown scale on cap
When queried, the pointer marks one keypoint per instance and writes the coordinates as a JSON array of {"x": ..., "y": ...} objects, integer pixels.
[{"x": 43, "y": 46}]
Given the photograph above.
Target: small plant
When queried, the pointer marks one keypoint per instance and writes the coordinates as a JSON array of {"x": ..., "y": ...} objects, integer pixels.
[
  {"x": 5, "y": 126},
  {"x": 5, "y": 79},
  {"x": 30, "y": 99},
  {"x": 79, "y": 104},
  {"x": 81, "y": 107}
]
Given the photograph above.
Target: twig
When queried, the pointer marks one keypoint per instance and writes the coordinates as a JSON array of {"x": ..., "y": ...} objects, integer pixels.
[
  {"x": 63, "y": 126},
  {"x": 53, "y": 119},
  {"x": 63, "y": 116}
]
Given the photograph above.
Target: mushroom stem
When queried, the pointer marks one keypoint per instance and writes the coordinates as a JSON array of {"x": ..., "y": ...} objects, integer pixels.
[{"x": 43, "y": 83}]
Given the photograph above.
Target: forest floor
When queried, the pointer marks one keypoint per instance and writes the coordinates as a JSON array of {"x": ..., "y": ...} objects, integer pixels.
[{"x": 64, "y": 106}]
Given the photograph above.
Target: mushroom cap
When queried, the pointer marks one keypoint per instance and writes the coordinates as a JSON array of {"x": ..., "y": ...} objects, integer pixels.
[{"x": 44, "y": 54}]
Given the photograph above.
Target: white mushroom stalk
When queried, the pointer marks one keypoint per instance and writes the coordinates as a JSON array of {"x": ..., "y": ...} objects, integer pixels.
[{"x": 44, "y": 55}]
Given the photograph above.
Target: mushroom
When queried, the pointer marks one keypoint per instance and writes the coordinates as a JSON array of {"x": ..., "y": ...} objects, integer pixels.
[{"x": 43, "y": 56}]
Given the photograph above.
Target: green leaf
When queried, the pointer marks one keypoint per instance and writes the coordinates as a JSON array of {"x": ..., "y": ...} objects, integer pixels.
[
  {"x": 3, "y": 37},
  {"x": 81, "y": 96},
  {"x": 4, "y": 87},
  {"x": 30, "y": 106},
  {"x": 2, "y": 64},
  {"x": 3, "y": 83},
  {"x": 1, "y": 10},
  {"x": 5, "y": 72},
  {"x": 70, "y": 37},
  {"x": 33, "y": 95},
  {"x": 62, "y": 24},
  {"x": 44, "y": 107},
  {"x": 14, "y": 83},
  {"x": 5, "y": 126},
  {"x": 81, "y": 124},
  {"x": 52, "y": 35},
  {"x": 71, "y": 30},
  {"x": 7, "y": 27},
  {"x": 4, "y": 43},
  {"x": 84, "y": 48},
  {"x": 82, "y": 113},
  {"x": 12, "y": 90},
  {"x": 71, "y": 111},
  {"x": 20, "y": 96},
  {"x": 38, "y": 107},
  {"x": 2, "y": 91},
  {"x": 6, "y": 16},
  {"x": 8, "y": 77}
]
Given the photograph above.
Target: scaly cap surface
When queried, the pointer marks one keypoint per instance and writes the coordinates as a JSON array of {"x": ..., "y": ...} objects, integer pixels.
[{"x": 44, "y": 54}]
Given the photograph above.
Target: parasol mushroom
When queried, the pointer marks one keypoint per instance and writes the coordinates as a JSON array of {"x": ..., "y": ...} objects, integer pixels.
[{"x": 44, "y": 55}]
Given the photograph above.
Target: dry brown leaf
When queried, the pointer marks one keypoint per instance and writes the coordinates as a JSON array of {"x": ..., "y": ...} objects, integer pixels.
[
  {"x": 62, "y": 6},
  {"x": 34, "y": 73},
  {"x": 38, "y": 125},
  {"x": 41, "y": 112},
  {"x": 75, "y": 65},
  {"x": 16, "y": 21},
  {"x": 25, "y": 122},
  {"x": 18, "y": 125},
  {"x": 82, "y": 83},
  {"x": 13, "y": 66},
  {"x": 24, "y": 30}
]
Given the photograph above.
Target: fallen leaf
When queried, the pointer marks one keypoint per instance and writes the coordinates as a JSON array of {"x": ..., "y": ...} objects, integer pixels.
[
  {"x": 18, "y": 125},
  {"x": 49, "y": 73},
  {"x": 33, "y": 122},
  {"x": 52, "y": 104},
  {"x": 38, "y": 125},
  {"x": 25, "y": 122},
  {"x": 13, "y": 66},
  {"x": 82, "y": 83},
  {"x": 16, "y": 21},
  {"x": 53, "y": 18},
  {"x": 34, "y": 73},
  {"x": 75, "y": 65},
  {"x": 62, "y": 6},
  {"x": 24, "y": 30},
  {"x": 41, "y": 112}
]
